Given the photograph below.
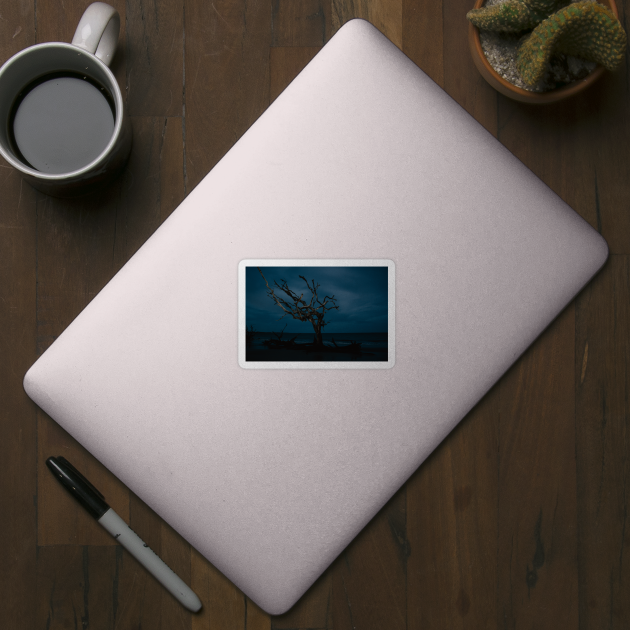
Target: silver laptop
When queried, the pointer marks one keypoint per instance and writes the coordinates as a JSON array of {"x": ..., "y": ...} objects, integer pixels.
[{"x": 317, "y": 315}]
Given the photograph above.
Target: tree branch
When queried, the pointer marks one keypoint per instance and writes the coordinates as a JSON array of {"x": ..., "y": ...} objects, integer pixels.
[{"x": 300, "y": 309}]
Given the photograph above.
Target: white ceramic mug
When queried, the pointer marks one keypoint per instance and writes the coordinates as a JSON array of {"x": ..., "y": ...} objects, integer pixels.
[{"x": 88, "y": 57}]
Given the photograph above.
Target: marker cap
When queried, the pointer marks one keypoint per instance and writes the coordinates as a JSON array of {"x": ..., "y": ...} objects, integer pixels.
[{"x": 78, "y": 486}]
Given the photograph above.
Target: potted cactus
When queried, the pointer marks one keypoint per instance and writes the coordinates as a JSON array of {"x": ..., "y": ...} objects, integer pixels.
[{"x": 558, "y": 49}]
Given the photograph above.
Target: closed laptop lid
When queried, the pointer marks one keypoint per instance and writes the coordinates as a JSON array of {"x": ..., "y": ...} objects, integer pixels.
[{"x": 363, "y": 166}]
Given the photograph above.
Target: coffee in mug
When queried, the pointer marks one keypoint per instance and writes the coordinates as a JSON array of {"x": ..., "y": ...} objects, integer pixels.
[
  {"x": 61, "y": 122},
  {"x": 65, "y": 128}
]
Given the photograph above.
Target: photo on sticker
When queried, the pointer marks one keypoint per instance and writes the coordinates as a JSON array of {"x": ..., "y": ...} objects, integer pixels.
[{"x": 316, "y": 313}]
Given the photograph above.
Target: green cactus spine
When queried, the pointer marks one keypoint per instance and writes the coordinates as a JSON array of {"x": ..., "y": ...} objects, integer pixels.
[
  {"x": 584, "y": 29},
  {"x": 513, "y": 16}
]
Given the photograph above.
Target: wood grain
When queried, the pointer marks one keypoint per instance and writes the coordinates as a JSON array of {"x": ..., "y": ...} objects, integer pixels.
[
  {"x": 422, "y": 36},
  {"x": 76, "y": 587},
  {"x": 57, "y": 22},
  {"x": 461, "y": 79},
  {"x": 609, "y": 134},
  {"x": 17, "y": 28},
  {"x": 18, "y": 416},
  {"x": 285, "y": 64},
  {"x": 517, "y": 520},
  {"x": 386, "y": 15},
  {"x": 537, "y": 510},
  {"x": 369, "y": 577},
  {"x": 226, "y": 78},
  {"x": 313, "y": 610},
  {"x": 602, "y": 380},
  {"x": 151, "y": 187},
  {"x": 452, "y": 515},
  {"x": 224, "y": 606},
  {"x": 300, "y": 22},
  {"x": 154, "y": 57}
]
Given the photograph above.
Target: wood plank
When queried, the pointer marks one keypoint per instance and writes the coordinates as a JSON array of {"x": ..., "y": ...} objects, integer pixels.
[
  {"x": 255, "y": 618},
  {"x": 537, "y": 537},
  {"x": 603, "y": 469},
  {"x": 18, "y": 416},
  {"x": 17, "y": 28},
  {"x": 285, "y": 64},
  {"x": 369, "y": 577},
  {"x": 558, "y": 147},
  {"x": 154, "y": 57},
  {"x": 452, "y": 527},
  {"x": 226, "y": 78},
  {"x": 152, "y": 185},
  {"x": 313, "y": 610},
  {"x": 423, "y": 36},
  {"x": 608, "y": 127},
  {"x": 461, "y": 78},
  {"x": 386, "y": 15},
  {"x": 74, "y": 248},
  {"x": 224, "y": 606},
  {"x": 171, "y": 158},
  {"x": 18, "y": 422},
  {"x": 300, "y": 22},
  {"x": 76, "y": 587}
]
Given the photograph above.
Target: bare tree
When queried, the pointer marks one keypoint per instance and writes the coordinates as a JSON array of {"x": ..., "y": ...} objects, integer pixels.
[{"x": 313, "y": 310}]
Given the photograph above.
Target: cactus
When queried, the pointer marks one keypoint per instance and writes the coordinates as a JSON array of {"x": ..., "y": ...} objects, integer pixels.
[
  {"x": 584, "y": 29},
  {"x": 513, "y": 16}
]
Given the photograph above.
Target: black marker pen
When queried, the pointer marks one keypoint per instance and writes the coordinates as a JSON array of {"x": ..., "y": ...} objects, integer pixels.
[{"x": 94, "y": 502}]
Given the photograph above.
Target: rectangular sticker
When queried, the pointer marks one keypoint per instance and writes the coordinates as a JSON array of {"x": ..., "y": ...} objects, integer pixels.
[{"x": 315, "y": 314}]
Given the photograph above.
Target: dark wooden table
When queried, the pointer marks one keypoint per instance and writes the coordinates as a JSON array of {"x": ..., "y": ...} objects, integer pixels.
[{"x": 518, "y": 520}]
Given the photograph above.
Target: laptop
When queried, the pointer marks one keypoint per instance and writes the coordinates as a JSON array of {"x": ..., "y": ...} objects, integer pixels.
[{"x": 316, "y": 316}]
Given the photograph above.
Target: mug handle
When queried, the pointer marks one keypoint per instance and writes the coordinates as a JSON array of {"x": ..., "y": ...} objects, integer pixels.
[{"x": 98, "y": 30}]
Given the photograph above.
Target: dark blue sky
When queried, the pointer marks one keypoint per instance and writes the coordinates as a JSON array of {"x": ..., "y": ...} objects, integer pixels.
[{"x": 360, "y": 292}]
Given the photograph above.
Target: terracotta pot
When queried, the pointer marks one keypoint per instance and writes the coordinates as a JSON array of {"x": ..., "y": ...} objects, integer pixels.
[{"x": 518, "y": 94}]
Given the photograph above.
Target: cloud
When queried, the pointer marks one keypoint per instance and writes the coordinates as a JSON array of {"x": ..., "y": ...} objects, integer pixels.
[{"x": 360, "y": 293}]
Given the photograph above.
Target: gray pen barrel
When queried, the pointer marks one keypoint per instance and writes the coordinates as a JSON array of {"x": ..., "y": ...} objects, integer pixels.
[{"x": 149, "y": 559}]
